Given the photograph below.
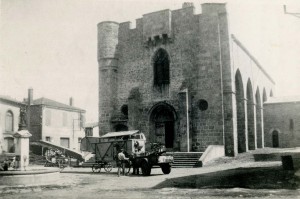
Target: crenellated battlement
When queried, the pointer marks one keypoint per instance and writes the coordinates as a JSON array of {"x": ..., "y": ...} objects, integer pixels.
[{"x": 161, "y": 25}]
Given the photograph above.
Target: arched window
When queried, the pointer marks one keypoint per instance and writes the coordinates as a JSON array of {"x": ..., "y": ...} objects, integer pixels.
[
  {"x": 9, "y": 121},
  {"x": 161, "y": 67}
]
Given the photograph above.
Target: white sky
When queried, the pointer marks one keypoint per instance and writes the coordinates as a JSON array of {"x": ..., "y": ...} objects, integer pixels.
[{"x": 51, "y": 45}]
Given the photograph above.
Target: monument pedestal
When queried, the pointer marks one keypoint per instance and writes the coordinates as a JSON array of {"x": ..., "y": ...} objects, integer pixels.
[{"x": 22, "y": 149}]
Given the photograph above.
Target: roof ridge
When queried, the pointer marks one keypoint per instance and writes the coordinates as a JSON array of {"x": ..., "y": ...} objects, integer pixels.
[{"x": 51, "y": 102}]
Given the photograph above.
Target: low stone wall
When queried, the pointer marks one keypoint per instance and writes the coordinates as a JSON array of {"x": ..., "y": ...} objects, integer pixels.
[
  {"x": 29, "y": 177},
  {"x": 212, "y": 152}
]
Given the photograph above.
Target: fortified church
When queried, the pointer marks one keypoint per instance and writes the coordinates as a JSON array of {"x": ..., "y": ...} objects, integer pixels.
[{"x": 183, "y": 79}]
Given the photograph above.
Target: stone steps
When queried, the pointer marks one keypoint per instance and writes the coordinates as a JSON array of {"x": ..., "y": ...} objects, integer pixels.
[{"x": 185, "y": 160}]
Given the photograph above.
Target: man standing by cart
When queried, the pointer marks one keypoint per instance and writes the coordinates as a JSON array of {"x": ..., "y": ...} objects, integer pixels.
[{"x": 121, "y": 162}]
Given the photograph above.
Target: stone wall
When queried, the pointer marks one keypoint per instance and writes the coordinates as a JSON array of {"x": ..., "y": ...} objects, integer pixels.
[
  {"x": 200, "y": 62},
  {"x": 192, "y": 42},
  {"x": 285, "y": 119}
]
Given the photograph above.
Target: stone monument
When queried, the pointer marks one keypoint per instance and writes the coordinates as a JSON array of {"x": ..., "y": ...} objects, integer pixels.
[{"x": 22, "y": 143}]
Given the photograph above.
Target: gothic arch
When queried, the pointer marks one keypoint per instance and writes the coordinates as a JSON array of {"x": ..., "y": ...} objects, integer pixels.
[
  {"x": 259, "y": 119},
  {"x": 241, "y": 114},
  {"x": 251, "y": 117},
  {"x": 265, "y": 98},
  {"x": 271, "y": 93},
  {"x": 162, "y": 117},
  {"x": 161, "y": 67},
  {"x": 162, "y": 104}
]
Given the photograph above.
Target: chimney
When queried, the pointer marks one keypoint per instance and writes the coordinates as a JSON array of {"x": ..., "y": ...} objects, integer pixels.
[
  {"x": 71, "y": 101},
  {"x": 187, "y": 4},
  {"x": 30, "y": 96}
]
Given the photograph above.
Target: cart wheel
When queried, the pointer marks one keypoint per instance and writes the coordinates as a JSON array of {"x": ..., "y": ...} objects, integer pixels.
[
  {"x": 108, "y": 167},
  {"x": 61, "y": 165},
  {"x": 96, "y": 168}
]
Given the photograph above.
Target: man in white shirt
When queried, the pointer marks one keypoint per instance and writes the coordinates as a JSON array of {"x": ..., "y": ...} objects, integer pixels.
[{"x": 121, "y": 162}]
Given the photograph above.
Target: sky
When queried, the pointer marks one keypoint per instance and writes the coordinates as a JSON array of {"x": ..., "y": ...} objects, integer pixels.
[{"x": 51, "y": 45}]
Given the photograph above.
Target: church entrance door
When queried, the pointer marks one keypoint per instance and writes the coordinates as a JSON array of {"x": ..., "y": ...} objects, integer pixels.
[{"x": 163, "y": 119}]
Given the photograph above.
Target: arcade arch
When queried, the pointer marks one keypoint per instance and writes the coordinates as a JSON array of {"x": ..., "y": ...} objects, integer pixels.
[
  {"x": 241, "y": 114},
  {"x": 251, "y": 117},
  {"x": 259, "y": 120}
]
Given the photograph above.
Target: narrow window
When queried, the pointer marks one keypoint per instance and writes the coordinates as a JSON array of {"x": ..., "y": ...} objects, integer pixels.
[
  {"x": 9, "y": 122},
  {"x": 124, "y": 109},
  {"x": 48, "y": 139},
  {"x": 161, "y": 68},
  {"x": 291, "y": 124}
]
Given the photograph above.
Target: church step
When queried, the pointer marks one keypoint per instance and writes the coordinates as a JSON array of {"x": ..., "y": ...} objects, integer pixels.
[{"x": 185, "y": 159}]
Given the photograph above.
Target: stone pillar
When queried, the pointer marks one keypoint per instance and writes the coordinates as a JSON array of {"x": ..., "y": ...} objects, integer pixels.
[
  {"x": 262, "y": 129},
  {"x": 259, "y": 128},
  {"x": 22, "y": 148},
  {"x": 252, "y": 138}
]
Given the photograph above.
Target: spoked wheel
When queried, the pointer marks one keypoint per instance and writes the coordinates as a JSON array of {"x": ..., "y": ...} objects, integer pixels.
[
  {"x": 96, "y": 168},
  {"x": 61, "y": 165},
  {"x": 108, "y": 167}
]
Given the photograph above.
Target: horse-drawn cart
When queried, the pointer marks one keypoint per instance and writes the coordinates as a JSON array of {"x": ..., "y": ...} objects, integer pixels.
[{"x": 107, "y": 147}]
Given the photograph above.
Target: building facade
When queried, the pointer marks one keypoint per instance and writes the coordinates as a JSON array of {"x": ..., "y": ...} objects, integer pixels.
[
  {"x": 282, "y": 122},
  {"x": 183, "y": 80},
  {"x": 55, "y": 122},
  {"x": 91, "y": 129},
  {"x": 9, "y": 122}
]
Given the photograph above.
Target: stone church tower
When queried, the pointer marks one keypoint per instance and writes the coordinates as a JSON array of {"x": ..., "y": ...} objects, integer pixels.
[{"x": 172, "y": 78}]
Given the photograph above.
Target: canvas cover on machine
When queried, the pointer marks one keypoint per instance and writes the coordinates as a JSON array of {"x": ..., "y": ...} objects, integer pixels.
[
  {"x": 89, "y": 143},
  {"x": 68, "y": 152}
]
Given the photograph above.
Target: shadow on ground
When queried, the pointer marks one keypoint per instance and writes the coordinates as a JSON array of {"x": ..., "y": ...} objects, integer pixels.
[{"x": 251, "y": 178}]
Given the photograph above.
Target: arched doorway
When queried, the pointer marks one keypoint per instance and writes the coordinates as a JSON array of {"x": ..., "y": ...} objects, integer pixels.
[
  {"x": 241, "y": 116},
  {"x": 275, "y": 139},
  {"x": 162, "y": 119}
]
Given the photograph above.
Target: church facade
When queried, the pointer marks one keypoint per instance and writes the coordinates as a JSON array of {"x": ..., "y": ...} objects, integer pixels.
[{"x": 183, "y": 80}]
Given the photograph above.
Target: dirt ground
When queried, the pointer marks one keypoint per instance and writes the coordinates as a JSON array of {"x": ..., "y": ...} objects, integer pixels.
[{"x": 238, "y": 177}]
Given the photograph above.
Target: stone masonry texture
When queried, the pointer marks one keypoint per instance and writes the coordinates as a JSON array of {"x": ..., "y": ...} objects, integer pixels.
[{"x": 200, "y": 66}]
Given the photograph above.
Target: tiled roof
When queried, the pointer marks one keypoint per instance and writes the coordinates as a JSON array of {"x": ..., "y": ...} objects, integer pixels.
[
  {"x": 283, "y": 99},
  {"x": 11, "y": 100},
  {"x": 55, "y": 104}
]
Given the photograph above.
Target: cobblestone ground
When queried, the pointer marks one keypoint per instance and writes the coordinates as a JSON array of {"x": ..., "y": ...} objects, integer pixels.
[{"x": 226, "y": 177}]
